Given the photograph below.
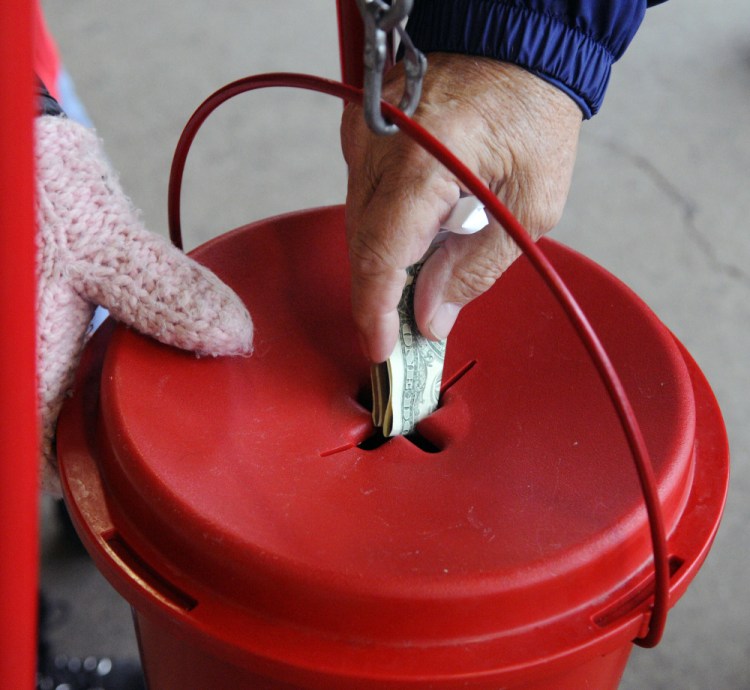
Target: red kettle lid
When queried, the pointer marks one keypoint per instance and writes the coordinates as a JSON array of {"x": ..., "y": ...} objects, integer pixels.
[{"x": 258, "y": 480}]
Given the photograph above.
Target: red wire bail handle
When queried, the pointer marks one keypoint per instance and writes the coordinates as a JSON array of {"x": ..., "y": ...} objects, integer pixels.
[{"x": 527, "y": 245}]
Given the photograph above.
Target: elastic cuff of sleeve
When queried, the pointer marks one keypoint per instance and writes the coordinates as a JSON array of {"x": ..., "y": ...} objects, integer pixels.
[{"x": 539, "y": 42}]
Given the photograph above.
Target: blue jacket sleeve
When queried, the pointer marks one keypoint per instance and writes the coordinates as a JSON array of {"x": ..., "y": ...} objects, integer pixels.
[{"x": 569, "y": 43}]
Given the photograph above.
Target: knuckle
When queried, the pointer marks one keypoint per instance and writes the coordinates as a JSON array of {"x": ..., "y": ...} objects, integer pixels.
[
  {"x": 368, "y": 259},
  {"x": 546, "y": 217},
  {"x": 538, "y": 204},
  {"x": 550, "y": 203},
  {"x": 549, "y": 211}
]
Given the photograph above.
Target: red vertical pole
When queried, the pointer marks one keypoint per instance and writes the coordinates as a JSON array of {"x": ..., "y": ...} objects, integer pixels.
[
  {"x": 18, "y": 425},
  {"x": 351, "y": 42}
]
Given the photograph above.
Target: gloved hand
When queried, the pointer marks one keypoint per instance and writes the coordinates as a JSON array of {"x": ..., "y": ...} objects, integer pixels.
[
  {"x": 92, "y": 249},
  {"x": 514, "y": 130}
]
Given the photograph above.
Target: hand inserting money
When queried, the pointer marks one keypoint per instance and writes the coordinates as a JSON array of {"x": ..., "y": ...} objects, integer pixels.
[{"x": 406, "y": 387}]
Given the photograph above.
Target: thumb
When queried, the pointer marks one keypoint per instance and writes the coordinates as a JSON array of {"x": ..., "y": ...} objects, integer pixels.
[
  {"x": 110, "y": 259},
  {"x": 461, "y": 269},
  {"x": 148, "y": 284}
]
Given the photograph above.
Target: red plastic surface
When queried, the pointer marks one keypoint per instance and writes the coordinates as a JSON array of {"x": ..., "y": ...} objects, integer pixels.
[
  {"x": 245, "y": 501},
  {"x": 166, "y": 669},
  {"x": 19, "y": 453}
]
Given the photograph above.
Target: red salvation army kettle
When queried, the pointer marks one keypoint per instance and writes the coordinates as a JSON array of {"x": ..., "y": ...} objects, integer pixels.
[{"x": 267, "y": 539}]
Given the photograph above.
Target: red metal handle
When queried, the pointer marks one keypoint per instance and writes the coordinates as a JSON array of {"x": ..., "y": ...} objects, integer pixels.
[{"x": 533, "y": 253}]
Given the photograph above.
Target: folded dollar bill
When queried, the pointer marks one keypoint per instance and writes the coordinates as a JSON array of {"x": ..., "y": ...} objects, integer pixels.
[{"x": 406, "y": 387}]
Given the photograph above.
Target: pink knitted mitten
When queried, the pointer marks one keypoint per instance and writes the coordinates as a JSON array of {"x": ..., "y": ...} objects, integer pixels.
[{"x": 92, "y": 249}]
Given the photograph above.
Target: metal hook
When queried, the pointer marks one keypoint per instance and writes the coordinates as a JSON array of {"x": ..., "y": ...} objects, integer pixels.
[
  {"x": 386, "y": 16},
  {"x": 380, "y": 19}
]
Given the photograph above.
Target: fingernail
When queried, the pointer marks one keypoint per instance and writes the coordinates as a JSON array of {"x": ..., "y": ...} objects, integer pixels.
[{"x": 443, "y": 319}]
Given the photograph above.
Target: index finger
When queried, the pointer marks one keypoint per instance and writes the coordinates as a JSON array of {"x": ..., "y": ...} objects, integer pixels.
[{"x": 389, "y": 227}]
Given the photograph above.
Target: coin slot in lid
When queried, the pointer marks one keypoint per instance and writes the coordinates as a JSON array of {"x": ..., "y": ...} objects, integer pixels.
[{"x": 377, "y": 440}]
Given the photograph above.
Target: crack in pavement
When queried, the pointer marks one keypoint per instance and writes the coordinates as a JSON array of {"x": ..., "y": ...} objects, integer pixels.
[{"x": 688, "y": 210}]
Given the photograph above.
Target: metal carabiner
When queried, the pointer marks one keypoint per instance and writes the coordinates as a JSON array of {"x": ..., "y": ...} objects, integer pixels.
[
  {"x": 386, "y": 16},
  {"x": 380, "y": 19}
]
